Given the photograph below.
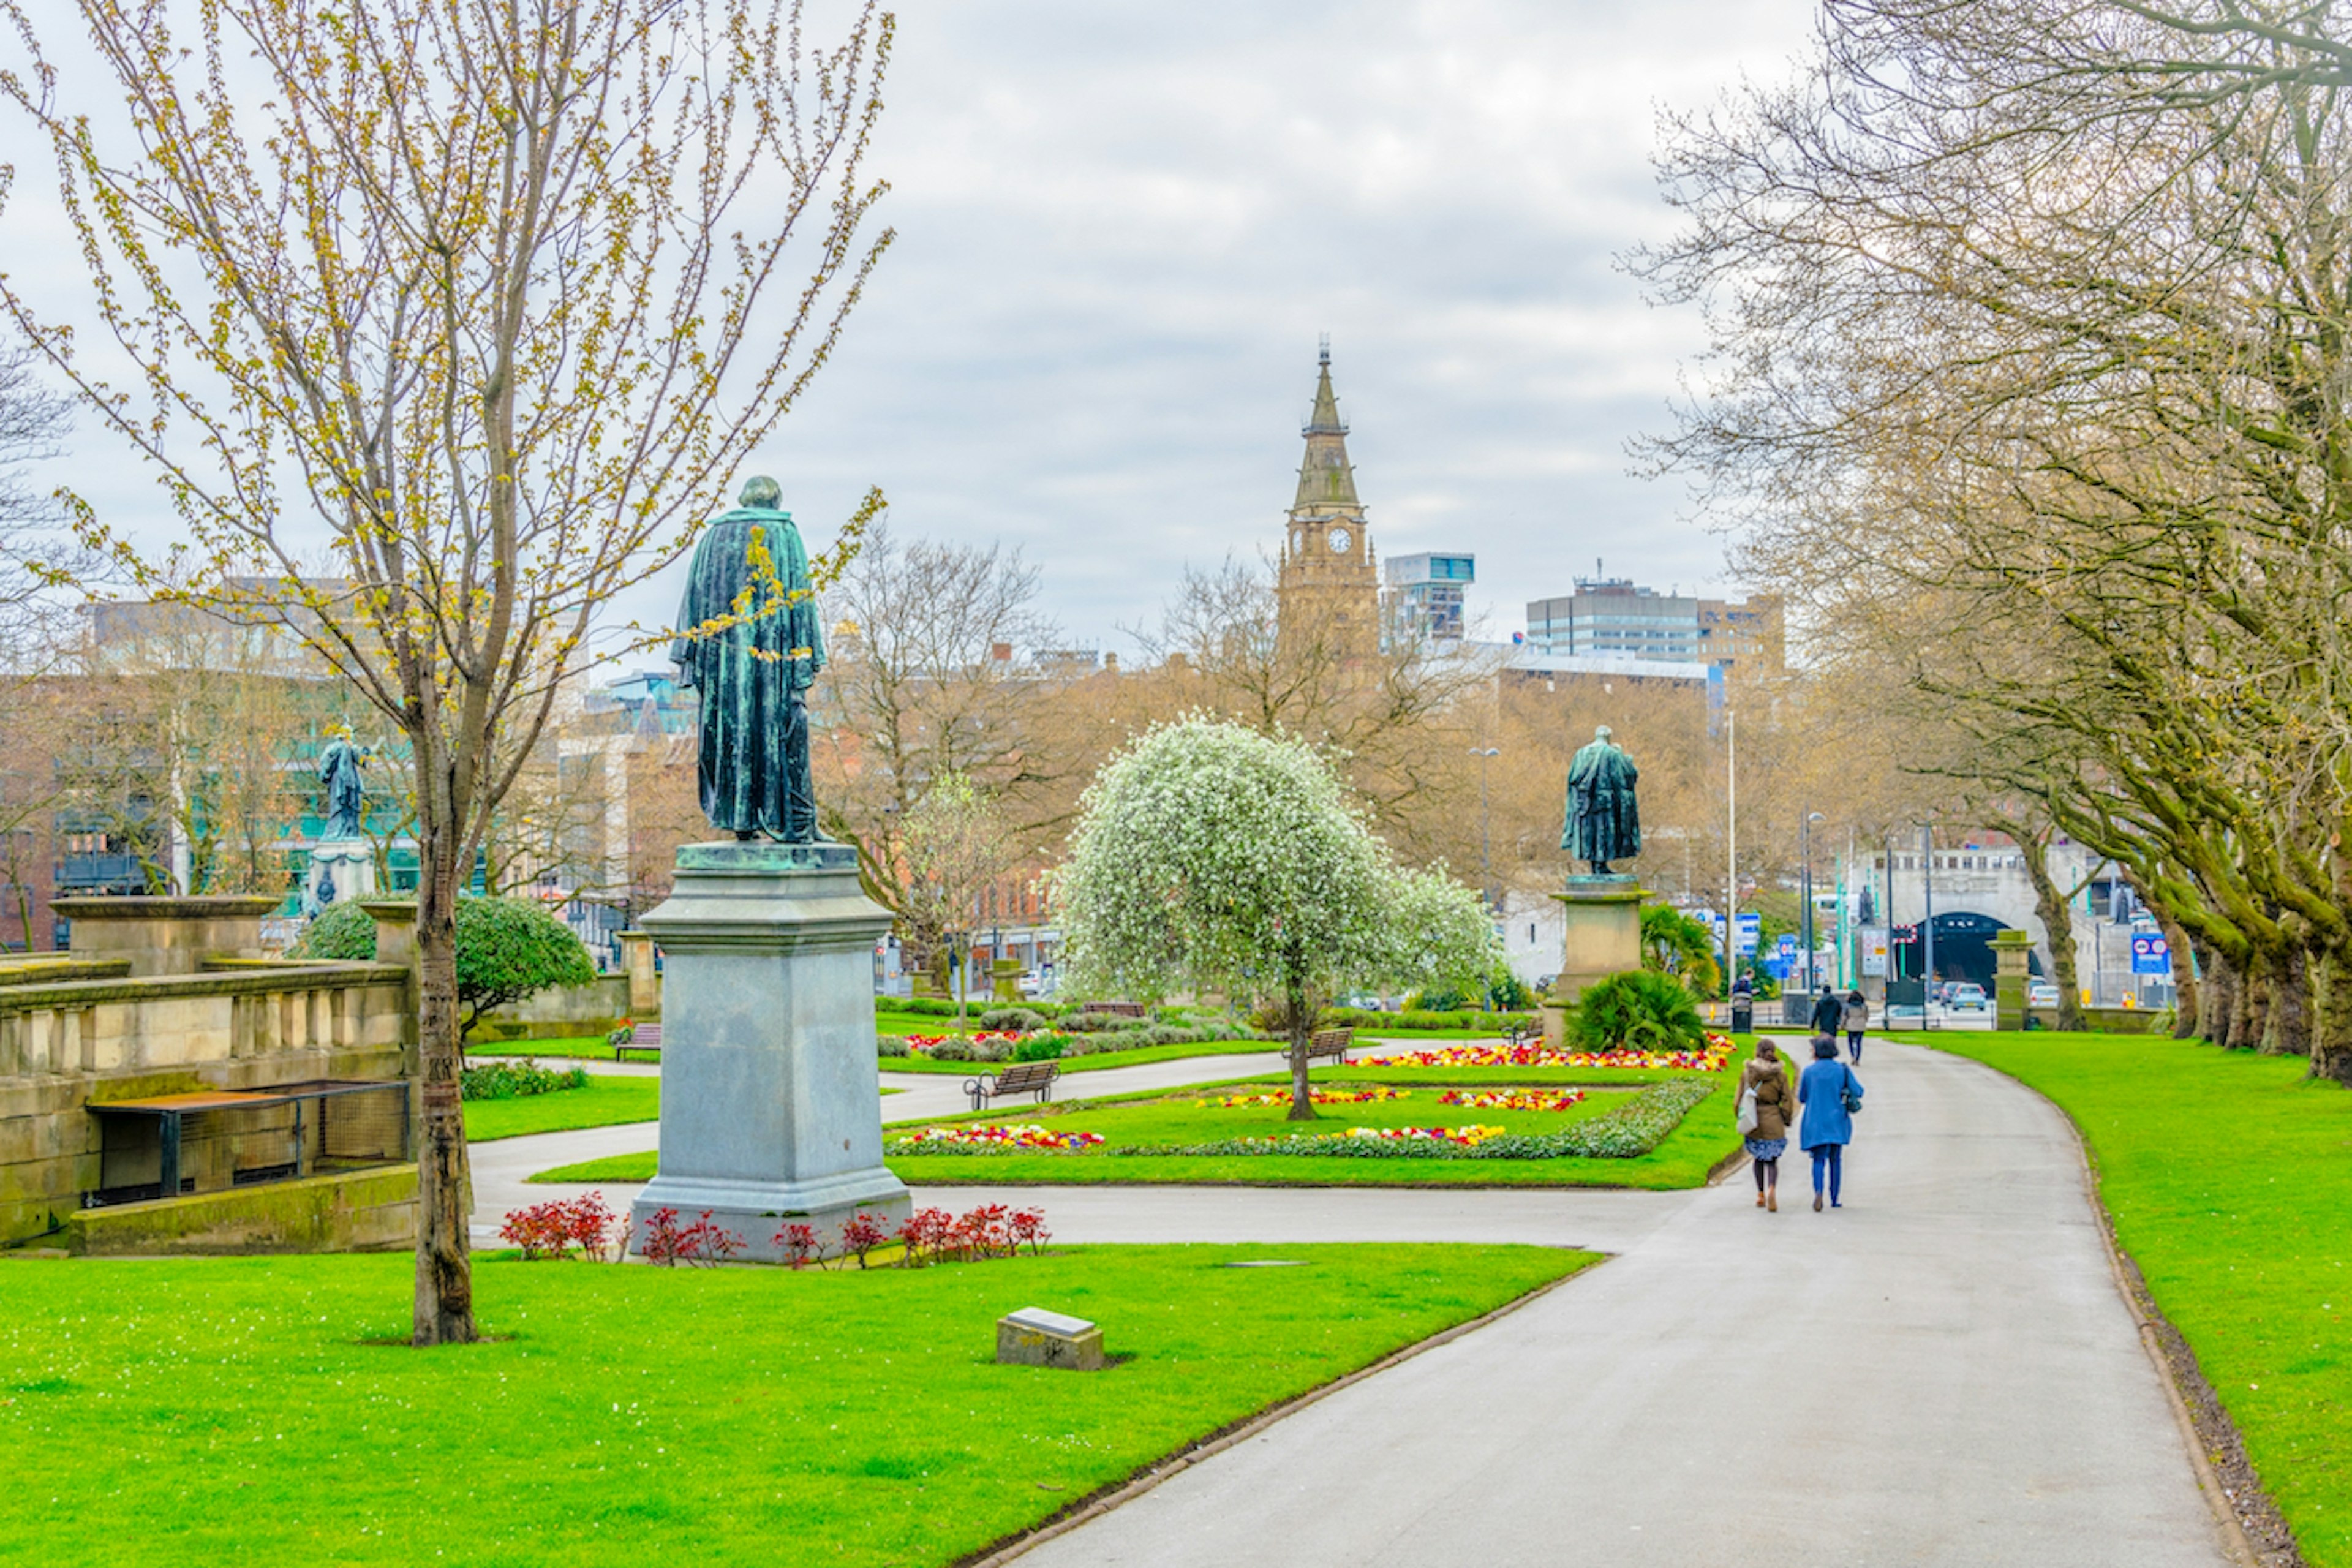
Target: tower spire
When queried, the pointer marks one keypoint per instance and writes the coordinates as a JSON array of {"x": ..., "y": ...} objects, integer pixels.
[{"x": 1326, "y": 479}]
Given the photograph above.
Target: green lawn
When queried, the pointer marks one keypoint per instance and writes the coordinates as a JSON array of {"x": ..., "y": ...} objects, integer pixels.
[
  {"x": 235, "y": 1410},
  {"x": 586, "y": 1047},
  {"x": 609, "y": 1099},
  {"x": 2229, "y": 1178},
  {"x": 1683, "y": 1159}
]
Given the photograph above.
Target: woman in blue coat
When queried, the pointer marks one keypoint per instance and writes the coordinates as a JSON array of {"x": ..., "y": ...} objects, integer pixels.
[{"x": 1830, "y": 1094}]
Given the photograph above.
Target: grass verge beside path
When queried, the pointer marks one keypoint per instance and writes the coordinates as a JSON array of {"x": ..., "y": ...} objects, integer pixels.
[
  {"x": 239, "y": 1408},
  {"x": 582, "y": 1048},
  {"x": 2228, "y": 1179},
  {"x": 609, "y": 1099}
]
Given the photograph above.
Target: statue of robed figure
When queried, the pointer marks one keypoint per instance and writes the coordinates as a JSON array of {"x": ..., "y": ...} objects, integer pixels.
[
  {"x": 749, "y": 643},
  {"x": 338, "y": 777},
  {"x": 1604, "y": 822}
]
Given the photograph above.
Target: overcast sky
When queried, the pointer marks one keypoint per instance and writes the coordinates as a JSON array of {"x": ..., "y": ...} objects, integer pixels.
[{"x": 1121, "y": 228}]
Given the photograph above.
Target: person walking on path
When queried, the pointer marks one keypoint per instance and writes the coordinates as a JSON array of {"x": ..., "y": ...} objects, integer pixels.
[
  {"x": 1765, "y": 1082},
  {"x": 1857, "y": 1013},
  {"x": 1827, "y": 1013},
  {"x": 1830, "y": 1094}
]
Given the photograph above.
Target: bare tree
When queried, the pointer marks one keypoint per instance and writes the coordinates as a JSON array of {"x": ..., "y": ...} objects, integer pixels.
[
  {"x": 933, "y": 678},
  {"x": 485, "y": 306},
  {"x": 2030, "y": 320},
  {"x": 1405, "y": 716},
  {"x": 957, "y": 846}
]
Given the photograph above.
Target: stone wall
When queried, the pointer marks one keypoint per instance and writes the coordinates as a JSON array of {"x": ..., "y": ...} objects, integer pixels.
[
  {"x": 355, "y": 1211},
  {"x": 104, "y": 1024},
  {"x": 595, "y": 1008}
]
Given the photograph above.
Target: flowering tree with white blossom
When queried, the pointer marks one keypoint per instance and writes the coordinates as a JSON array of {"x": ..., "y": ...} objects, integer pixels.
[{"x": 1207, "y": 854}]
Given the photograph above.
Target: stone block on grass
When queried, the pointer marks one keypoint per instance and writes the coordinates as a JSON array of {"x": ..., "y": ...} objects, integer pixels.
[{"x": 1035, "y": 1337}]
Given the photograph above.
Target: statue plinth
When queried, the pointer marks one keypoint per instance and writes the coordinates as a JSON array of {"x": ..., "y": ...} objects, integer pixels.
[
  {"x": 771, "y": 1112},
  {"x": 340, "y": 869},
  {"x": 1601, "y": 917}
]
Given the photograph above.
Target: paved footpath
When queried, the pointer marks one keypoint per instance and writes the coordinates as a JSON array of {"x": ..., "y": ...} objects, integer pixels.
[{"x": 1942, "y": 1373}]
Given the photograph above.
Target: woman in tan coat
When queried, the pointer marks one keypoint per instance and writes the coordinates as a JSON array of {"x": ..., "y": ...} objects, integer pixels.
[{"x": 1765, "y": 1081}]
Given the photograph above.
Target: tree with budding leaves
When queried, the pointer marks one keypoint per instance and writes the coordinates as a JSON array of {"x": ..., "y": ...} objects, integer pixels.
[
  {"x": 447, "y": 323},
  {"x": 1210, "y": 855}
]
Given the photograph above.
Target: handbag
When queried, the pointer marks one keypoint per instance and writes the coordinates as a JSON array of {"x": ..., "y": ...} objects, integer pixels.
[
  {"x": 1850, "y": 1096},
  {"x": 1745, "y": 1116}
]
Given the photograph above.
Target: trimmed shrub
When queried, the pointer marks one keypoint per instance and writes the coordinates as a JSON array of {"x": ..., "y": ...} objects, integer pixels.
[
  {"x": 1640, "y": 1009},
  {"x": 1013, "y": 1019},
  {"x": 1040, "y": 1048},
  {"x": 514, "y": 1080},
  {"x": 891, "y": 1045},
  {"x": 507, "y": 949}
]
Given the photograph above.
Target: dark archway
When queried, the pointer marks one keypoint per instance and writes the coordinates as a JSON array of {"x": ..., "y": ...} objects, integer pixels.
[{"x": 1963, "y": 948}]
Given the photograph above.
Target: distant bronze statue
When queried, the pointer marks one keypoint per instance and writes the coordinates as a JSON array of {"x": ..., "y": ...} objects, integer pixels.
[
  {"x": 1604, "y": 822},
  {"x": 339, "y": 776},
  {"x": 749, "y": 644}
]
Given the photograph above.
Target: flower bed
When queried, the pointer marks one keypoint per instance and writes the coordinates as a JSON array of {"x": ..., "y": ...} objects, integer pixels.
[
  {"x": 1514, "y": 1098},
  {"x": 1710, "y": 1058},
  {"x": 1319, "y": 1095},
  {"x": 1627, "y": 1132},
  {"x": 992, "y": 1136},
  {"x": 1465, "y": 1136}
]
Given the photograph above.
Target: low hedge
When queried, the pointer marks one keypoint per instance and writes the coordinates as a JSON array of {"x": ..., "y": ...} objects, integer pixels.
[
  {"x": 513, "y": 1080},
  {"x": 1414, "y": 1018}
]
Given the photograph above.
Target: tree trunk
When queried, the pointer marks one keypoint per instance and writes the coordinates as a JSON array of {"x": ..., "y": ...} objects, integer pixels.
[
  {"x": 2331, "y": 1033},
  {"x": 445, "y": 1271},
  {"x": 2289, "y": 1033},
  {"x": 2250, "y": 1014},
  {"x": 1302, "y": 1024},
  {"x": 2217, "y": 1003},
  {"x": 2057, "y": 916},
  {"x": 2184, "y": 978}
]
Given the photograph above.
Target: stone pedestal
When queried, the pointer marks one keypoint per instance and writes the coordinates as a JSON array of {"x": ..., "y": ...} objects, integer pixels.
[
  {"x": 1004, "y": 974},
  {"x": 1602, "y": 936},
  {"x": 165, "y": 935},
  {"x": 345, "y": 865},
  {"x": 2012, "y": 951},
  {"x": 644, "y": 980},
  {"x": 770, "y": 1111}
]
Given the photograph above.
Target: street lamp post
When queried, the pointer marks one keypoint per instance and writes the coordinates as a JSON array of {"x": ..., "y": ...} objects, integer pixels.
[
  {"x": 1485, "y": 755},
  {"x": 1805, "y": 841}
]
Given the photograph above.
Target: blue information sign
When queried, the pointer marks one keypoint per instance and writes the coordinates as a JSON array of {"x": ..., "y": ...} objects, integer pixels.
[{"x": 2151, "y": 954}]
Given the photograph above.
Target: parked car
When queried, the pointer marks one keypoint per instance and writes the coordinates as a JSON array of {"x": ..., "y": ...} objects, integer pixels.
[
  {"x": 1967, "y": 997},
  {"x": 2042, "y": 994}
]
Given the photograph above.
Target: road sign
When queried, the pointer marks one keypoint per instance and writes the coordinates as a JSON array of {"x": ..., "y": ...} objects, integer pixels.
[
  {"x": 1751, "y": 932},
  {"x": 2151, "y": 954},
  {"x": 1874, "y": 948}
]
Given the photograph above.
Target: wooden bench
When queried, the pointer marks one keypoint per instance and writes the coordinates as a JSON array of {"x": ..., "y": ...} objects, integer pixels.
[
  {"x": 1519, "y": 1035},
  {"x": 1331, "y": 1043},
  {"x": 1021, "y": 1078},
  {"x": 1118, "y": 1009},
  {"x": 641, "y": 1037}
]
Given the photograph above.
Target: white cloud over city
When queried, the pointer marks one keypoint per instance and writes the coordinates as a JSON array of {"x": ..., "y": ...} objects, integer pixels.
[{"x": 1121, "y": 228}]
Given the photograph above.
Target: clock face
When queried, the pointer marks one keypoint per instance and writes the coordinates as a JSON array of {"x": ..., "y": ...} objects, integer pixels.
[{"x": 1337, "y": 539}]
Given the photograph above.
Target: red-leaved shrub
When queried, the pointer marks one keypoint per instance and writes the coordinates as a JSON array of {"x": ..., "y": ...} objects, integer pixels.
[
  {"x": 862, "y": 1235},
  {"x": 666, "y": 1241},
  {"x": 551, "y": 1229},
  {"x": 925, "y": 1233},
  {"x": 800, "y": 1243}
]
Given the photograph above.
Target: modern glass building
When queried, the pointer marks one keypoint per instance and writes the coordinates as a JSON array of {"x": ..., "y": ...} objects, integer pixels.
[{"x": 1425, "y": 592}]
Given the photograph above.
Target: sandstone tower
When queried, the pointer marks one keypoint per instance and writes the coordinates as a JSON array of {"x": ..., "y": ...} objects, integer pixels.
[{"x": 1326, "y": 590}]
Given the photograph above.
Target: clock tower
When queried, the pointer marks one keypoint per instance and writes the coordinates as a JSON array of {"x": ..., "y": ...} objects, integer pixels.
[{"x": 1326, "y": 589}]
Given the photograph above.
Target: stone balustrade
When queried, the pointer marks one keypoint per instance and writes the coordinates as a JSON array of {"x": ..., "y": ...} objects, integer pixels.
[{"x": 169, "y": 995}]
